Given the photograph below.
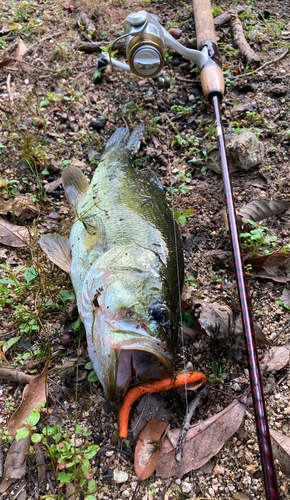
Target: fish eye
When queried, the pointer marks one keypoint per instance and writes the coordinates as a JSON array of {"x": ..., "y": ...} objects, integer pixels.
[{"x": 158, "y": 313}]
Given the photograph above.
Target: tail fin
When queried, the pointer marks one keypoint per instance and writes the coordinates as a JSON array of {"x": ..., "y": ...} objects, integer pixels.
[{"x": 122, "y": 137}]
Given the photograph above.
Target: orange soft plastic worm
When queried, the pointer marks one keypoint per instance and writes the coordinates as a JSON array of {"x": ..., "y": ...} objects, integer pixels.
[{"x": 156, "y": 386}]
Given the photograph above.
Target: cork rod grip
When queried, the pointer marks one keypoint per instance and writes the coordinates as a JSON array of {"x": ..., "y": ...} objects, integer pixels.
[{"x": 204, "y": 26}]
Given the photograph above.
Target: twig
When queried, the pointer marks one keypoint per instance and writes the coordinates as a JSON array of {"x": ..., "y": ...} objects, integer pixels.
[
  {"x": 225, "y": 17},
  {"x": 186, "y": 423},
  {"x": 235, "y": 397},
  {"x": 281, "y": 331},
  {"x": 240, "y": 41},
  {"x": 186, "y": 81},
  {"x": 40, "y": 42},
  {"x": 9, "y": 89},
  {"x": 15, "y": 375},
  {"x": 6, "y": 111},
  {"x": 1, "y": 455},
  {"x": 235, "y": 77}
]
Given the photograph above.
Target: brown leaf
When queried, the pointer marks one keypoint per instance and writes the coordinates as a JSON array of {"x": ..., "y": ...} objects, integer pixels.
[
  {"x": 151, "y": 406},
  {"x": 5, "y": 62},
  {"x": 203, "y": 441},
  {"x": 281, "y": 450},
  {"x": 33, "y": 394},
  {"x": 15, "y": 463},
  {"x": 270, "y": 262},
  {"x": 21, "y": 50},
  {"x": 20, "y": 206},
  {"x": 276, "y": 358},
  {"x": 285, "y": 297},
  {"x": 41, "y": 468},
  {"x": 148, "y": 448},
  {"x": 12, "y": 235},
  {"x": 258, "y": 210},
  {"x": 215, "y": 318}
]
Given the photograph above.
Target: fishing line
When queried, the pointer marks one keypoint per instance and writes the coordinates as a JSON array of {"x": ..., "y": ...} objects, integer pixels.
[{"x": 176, "y": 252}]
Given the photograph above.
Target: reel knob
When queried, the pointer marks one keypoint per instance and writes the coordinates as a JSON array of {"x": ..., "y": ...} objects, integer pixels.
[
  {"x": 146, "y": 61},
  {"x": 163, "y": 82}
]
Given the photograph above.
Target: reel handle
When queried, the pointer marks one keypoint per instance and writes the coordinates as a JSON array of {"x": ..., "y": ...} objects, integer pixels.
[{"x": 211, "y": 76}]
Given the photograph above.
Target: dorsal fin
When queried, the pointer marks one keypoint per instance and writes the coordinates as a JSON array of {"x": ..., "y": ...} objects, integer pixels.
[
  {"x": 75, "y": 184},
  {"x": 57, "y": 248}
]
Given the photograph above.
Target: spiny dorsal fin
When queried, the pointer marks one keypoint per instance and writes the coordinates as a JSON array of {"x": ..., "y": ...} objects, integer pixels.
[
  {"x": 57, "y": 249},
  {"x": 75, "y": 184}
]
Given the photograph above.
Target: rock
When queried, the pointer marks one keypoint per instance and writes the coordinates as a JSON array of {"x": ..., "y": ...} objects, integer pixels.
[
  {"x": 126, "y": 494},
  {"x": 120, "y": 476},
  {"x": 98, "y": 124},
  {"x": 54, "y": 167},
  {"x": 219, "y": 469},
  {"x": 244, "y": 151},
  {"x": 93, "y": 155},
  {"x": 186, "y": 487}
]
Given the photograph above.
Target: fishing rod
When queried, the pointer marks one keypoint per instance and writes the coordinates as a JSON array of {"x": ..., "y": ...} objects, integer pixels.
[{"x": 146, "y": 41}]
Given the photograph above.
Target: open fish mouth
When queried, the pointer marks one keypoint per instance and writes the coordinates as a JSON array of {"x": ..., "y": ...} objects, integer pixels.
[
  {"x": 123, "y": 353},
  {"x": 141, "y": 357}
]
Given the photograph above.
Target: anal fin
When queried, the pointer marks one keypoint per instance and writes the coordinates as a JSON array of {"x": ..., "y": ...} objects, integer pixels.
[
  {"x": 57, "y": 248},
  {"x": 75, "y": 184}
]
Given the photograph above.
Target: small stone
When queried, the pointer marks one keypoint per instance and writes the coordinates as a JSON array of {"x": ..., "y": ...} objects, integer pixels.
[
  {"x": 219, "y": 469},
  {"x": 186, "y": 487},
  {"x": 125, "y": 494},
  {"x": 240, "y": 496},
  {"x": 191, "y": 97},
  {"x": 109, "y": 453},
  {"x": 98, "y": 124},
  {"x": 120, "y": 476},
  {"x": 251, "y": 468}
]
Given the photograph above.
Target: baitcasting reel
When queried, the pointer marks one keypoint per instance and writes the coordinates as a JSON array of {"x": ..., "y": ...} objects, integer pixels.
[{"x": 146, "y": 41}]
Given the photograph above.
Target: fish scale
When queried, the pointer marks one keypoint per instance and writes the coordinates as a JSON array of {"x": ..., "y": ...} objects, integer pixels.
[{"x": 123, "y": 255}]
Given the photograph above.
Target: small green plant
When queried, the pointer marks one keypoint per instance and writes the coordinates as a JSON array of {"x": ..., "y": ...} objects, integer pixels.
[
  {"x": 9, "y": 187},
  {"x": 4, "y": 346},
  {"x": 218, "y": 374},
  {"x": 182, "y": 217},
  {"x": 281, "y": 303},
  {"x": 92, "y": 376},
  {"x": 257, "y": 240},
  {"x": 70, "y": 455},
  {"x": 189, "y": 280},
  {"x": 186, "y": 178}
]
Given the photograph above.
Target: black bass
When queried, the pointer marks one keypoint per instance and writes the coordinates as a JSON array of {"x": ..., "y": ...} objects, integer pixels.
[{"x": 126, "y": 264}]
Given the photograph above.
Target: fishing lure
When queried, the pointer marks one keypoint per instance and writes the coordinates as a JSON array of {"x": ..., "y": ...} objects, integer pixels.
[{"x": 156, "y": 386}]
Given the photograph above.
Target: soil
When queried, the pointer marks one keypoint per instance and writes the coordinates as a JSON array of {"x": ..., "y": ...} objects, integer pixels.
[{"x": 52, "y": 115}]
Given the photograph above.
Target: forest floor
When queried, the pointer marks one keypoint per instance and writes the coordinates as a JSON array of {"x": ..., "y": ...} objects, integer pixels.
[{"x": 52, "y": 115}]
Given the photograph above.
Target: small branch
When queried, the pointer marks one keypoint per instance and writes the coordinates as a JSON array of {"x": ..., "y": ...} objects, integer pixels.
[
  {"x": 225, "y": 17},
  {"x": 186, "y": 423},
  {"x": 280, "y": 331},
  {"x": 235, "y": 397},
  {"x": 15, "y": 375},
  {"x": 268, "y": 63},
  {"x": 6, "y": 111},
  {"x": 9, "y": 90},
  {"x": 240, "y": 41},
  {"x": 90, "y": 47}
]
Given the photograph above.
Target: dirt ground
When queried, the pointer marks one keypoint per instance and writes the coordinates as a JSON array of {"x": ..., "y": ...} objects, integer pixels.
[{"x": 52, "y": 115}]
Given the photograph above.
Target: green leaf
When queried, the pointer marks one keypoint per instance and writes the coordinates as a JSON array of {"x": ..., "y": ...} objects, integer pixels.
[
  {"x": 89, "y": 366},
  {"x": 186, "y": 319},
  {"x": 44, "y": 103},
  {"x": 65, "y": 295},
  {"x": 30, "y": 274},
  {"x": 64, "y": 477},
  {"x": 10, "y": 343},
  {"x": 91, "y": 486},
  {"x": 33, "y": 418},
  {"x": 36, "y": 438},
  {"x": 22, "y": 433},
  {"x": 90, "y": 497},
  {"x": 92, "y": 377},
  {"x": 76, "y": 324}
]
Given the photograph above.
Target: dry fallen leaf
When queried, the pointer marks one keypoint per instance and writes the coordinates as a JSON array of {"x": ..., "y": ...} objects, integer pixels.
[
  {"x": 203, "y": 441},
  {"x": 271, "y": 262},
  {"x": 20, "y": 206},
  {"x": 8, "y": 373},
  {"x": 148, "y": 448},
  {"x": 258, "y": 210},
  {"x": 151, "y": 406},
  {"x": 285, "y": 297},
  {"x": 21, "y": 50},
  {"x": 281, "y": 450},
  {"x": 215, "y": 318},
  {"x": 41, "y": 468},
  {"x": 33, "y": 394},
  {"x": 15, "y": 463},
  {"x": 12, "y": 235},
  {"x": 5, "y": 62},
  {"x": 276, "y": 358}
]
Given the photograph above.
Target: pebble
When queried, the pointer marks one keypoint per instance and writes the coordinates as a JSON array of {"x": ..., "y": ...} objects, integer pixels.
[
  {"x": 120, "y": 476},
  {"x": 186, "y": 487},
  {"x": 109, "y": 453},
  {"x": 125, "y": 494},
  {"x": 219, "y": 469}
]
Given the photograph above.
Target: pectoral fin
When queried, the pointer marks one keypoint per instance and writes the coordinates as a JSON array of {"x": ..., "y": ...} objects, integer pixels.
[
  {"x": 75, "y": 184},
  {"x": 57, "y": 248}
]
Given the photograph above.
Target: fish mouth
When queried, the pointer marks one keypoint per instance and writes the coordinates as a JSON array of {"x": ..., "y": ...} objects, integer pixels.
[
  {"x": 129, "y": 355},
  {"x": 141, "y": 357}
]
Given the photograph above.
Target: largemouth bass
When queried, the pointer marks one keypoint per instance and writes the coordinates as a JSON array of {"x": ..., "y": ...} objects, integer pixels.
[{"x": 125, "y": 260}]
